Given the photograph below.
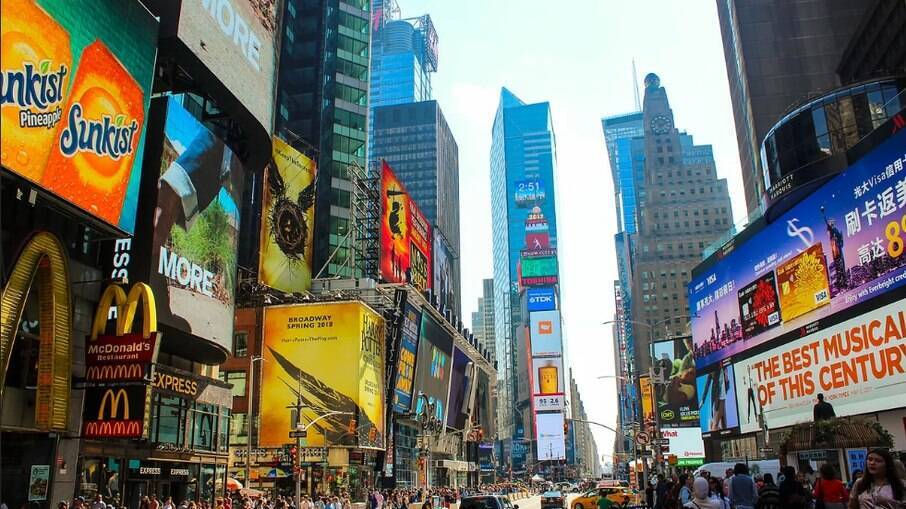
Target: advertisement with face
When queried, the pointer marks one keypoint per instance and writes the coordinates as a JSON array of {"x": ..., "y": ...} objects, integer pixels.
[
  {"x": 545, "y": 333},
  {"x": 196, "y": 227},
  {"x": 287, "y": 220},
  {"x": 77, "y": 84},
  {"x": 858, "y": 365},
  {"x": 298, "y": 341},
  {"x": 717, "y": 400},
  {"x": 840, "y": 246},
  {"x": 235, "y": 40},
  {"x": 551, "y": 439},
  {"x": 432, "y": 371},
  {"x": 405, "y": 235},
  {"x": 458, "y": 389},
  {"x": 443, "y": 272},
  {"x": 677, "y": 404},
  {"x": 405, "y": 378}
]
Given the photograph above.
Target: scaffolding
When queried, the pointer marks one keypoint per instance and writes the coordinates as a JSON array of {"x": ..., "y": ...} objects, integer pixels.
[{"x": 366, "y": 218}]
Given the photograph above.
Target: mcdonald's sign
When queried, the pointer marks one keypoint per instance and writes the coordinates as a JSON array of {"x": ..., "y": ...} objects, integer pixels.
[
  {"x": 123, "y": 356},
  {"x": 116, "y": 412}
]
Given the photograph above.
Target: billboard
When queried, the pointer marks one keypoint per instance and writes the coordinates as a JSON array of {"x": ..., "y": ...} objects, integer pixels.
[
  {"x": 402, "y": 393},
  {"x": 647, "y": 398},
  {"x": 545, "y": 333},
  {"x": 459, "y": 386},
  {"x": 117, "y": 411},
  {"x": 677, "y": 404},
  {"x": 529, "y": 193},
  {"x": 717, "y": 400},
  {"x": 685, "y": 443},
  {"x": 444, "y": 283},
  {"x": 539, "y": 266},
  {"x": 541, "y": 299},
  {"x": 235, "y": 40},
  {"x": 858, "y": 365},
  {"x": 76, "y": 88},
  {"x": 432, "y": 370},
  {"x": 405, "y": 235},
  {"x": 196, "y": 229},
  {"x": 547, "y": 376},
  {"x": 287, "y": 220},
  {"x": 485, "y": 404},
  {"x": 840, "y": 246},
  {"x": 331, "y": 356},
  {"x": 551, "y": 439}
]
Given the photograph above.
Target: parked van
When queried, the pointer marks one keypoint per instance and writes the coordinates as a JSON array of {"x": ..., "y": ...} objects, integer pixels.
[{"x": 760, "y": 467}]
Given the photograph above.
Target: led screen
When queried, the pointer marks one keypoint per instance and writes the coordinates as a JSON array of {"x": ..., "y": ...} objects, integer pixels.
[
  {"x": 551, "y": 439},
  {"x": 677, "y": 403}
]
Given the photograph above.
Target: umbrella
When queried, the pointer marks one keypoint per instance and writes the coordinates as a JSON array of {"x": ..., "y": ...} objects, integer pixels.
[
  {"x": 250, "y": 492},
  {"x": 233, "y": 484},
  {"x": 275, "y": 473},
  {"x": 537, "y": 478}
]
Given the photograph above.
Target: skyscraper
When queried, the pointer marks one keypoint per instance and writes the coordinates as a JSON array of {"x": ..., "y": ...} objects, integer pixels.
[
  {"x": 322, "y": 106},
  {"x": 619, "y": 132},
  {"x": 483, "y": 319},
  {"x": 526, "y": 278},
  {"x": 685, "y": 208},
  {"x": 416, "y": 140},
  {"x": 778, "y": 53}
]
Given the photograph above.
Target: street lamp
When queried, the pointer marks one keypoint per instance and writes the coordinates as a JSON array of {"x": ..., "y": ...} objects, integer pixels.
[
  {"x": 249, "y": 412},
  {"x": 430, "y": 426}
]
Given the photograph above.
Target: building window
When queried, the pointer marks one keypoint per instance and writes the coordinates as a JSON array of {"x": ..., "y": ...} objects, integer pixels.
[
  {"x": 204, "y": 426},
  {"x": 168, "y": 420},
  {"x": 237, "y": 378},
  {"x": 239, "y": 433},
  {"x": 240, "y": 344}
]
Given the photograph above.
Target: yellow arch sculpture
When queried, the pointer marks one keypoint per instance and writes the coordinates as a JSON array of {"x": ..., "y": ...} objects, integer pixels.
[
  {"x": 126, "y": 306},
  {"x": 43, "y": 260}
]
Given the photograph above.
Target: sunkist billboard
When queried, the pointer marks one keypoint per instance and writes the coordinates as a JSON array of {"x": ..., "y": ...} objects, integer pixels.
[{"x": 76, "y": 87}]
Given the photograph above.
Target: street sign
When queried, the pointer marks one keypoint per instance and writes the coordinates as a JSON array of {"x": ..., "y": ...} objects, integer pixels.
[
  {"x": 661, "y": 441},
  {"x": 642, "y": 438},
  {"x": 766, "y": 450},
  {"x": 646, "y": 454},
  {"x": 299, "y": 433}
]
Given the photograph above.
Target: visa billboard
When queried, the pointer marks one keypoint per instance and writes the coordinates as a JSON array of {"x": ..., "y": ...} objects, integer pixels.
[
  {"x": 840, "y": 246},
  {"x": 541, "y": 299}
]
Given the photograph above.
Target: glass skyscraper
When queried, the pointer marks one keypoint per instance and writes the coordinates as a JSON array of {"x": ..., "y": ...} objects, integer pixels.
[{"x": 523, "y": 160}]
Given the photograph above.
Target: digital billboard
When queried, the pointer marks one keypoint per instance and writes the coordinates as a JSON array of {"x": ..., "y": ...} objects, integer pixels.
[
  {"x": 545, "y": 333},
  {"x": 541, "y": 299},
  {"x": 287, "y": 220},
  {"x": 432, "y": 370},
  {"x": 235, "y": 40},
  {"x": 551, "y": 439},
  {"x": 405, "y": 235},
  {"x": 676, "y": 400},
  {"x": 196, "y": 229},
  {"x": 858, "y": 364},
  {"x": 547, "y": 376},
  {"x": 76, "y": 88},
  {"x": 686, "y": 444},
  {"x": 459, "y": 388},
  {"x": 331, "y": 356},
  {"x": 840, "y": 246},
  {"x": 539, "y": 266},
  {"x": 405, "y": 377},
  {"x": 486, "y": 412},
  {"x": 444, "y": 282},
  {"x": 529, "y": 193},
  {"x": 717, "y": 400}
]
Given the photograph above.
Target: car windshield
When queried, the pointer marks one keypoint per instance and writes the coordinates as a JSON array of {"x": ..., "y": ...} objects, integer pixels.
[{"x": 479, "y": 503}]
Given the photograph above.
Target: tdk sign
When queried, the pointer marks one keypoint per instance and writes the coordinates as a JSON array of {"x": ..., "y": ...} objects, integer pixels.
[{"x": 541, "y": 299}]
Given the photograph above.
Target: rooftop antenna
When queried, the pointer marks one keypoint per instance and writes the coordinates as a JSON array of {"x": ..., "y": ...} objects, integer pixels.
[{"x": 635, "y": 88}]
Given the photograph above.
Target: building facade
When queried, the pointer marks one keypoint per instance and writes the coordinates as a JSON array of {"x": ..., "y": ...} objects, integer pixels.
[
  {"x": 779, "y": 53},
  {"x": 322, "y": 109},
  {"x": 483, "y": 319},
  {"x": 416, "y": 140}
]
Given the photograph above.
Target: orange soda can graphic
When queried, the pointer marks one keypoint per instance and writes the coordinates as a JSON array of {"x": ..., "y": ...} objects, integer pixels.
[
  {"x": 548, "y": 383},
  {"x": 35, "y": 65},
  {"x": 92, "y": 160}
]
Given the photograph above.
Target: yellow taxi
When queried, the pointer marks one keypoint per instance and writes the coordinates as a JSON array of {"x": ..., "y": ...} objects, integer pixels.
[{"x": 615, "y": 491}]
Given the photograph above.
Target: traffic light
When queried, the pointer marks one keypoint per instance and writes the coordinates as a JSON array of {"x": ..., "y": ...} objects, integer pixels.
[{"x": 293, "y": 454}]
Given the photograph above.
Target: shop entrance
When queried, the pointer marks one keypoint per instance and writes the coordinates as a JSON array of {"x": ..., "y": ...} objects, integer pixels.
[{"x": 29, "y": 482}]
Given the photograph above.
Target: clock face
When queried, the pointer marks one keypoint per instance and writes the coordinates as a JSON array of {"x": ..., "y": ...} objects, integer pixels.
[{"x": 661, "y": 124}]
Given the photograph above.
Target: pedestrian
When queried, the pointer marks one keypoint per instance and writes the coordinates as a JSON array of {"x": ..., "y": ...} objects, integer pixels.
[
  {"x": 717, "y": 492},
  {"x": 829, "y": 490},
  {"x": 62, "y": 505},
  {"x": 685, "y": 491},
  {"x": 660, "y": 491},
  {"x": 768, "y": 494},
  {"x": 168, "y": 503},
  {"x": 880, "y": 486},
  {"x": 698, "y": 495},
  {"x": 855, "y": 477},
  {"x": 743, "y": 494},
  {"x": 154, "y": 504},
  {"x": 98, "y": 502},
  {"x": 792, "y": 494}
]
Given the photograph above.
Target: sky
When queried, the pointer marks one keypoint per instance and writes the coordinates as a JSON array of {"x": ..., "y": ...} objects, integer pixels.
[{"x": 576, "y": 54}]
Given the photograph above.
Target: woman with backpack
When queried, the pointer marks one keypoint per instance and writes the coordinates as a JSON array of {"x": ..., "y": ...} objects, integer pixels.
[{"x": 829, "y": 491}]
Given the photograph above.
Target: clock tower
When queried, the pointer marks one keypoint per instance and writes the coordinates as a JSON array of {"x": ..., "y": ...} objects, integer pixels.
[{"x": 682, "y": 209}]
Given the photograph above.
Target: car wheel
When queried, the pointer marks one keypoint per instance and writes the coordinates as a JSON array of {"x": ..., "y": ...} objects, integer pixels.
[{"x": 577, "y": 506}]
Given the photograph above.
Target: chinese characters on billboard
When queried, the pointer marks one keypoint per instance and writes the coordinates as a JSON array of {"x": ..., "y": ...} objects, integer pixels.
[
  {"x": 77, "y": 84},
  {"x": 405, "y": 235},
  {"x": 287, "y": 220},
  {"x": 839, "y": 247},
  {"x": 677, "y": 404},
  {"x": 196, "y": 227},
  {"x": 298, "y": 341}
]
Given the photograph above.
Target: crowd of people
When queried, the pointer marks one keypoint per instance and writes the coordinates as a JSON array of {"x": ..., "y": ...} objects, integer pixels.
[{"x": 881, "y": 486}]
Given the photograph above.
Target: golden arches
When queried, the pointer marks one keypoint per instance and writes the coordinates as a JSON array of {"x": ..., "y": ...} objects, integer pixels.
[
  {"x": 126, "y": 307},
  {"x": 43, "y": 260}
]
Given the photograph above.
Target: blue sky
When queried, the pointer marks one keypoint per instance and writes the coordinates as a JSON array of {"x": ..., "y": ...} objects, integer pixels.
[{"x": 576, "y": 54}]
